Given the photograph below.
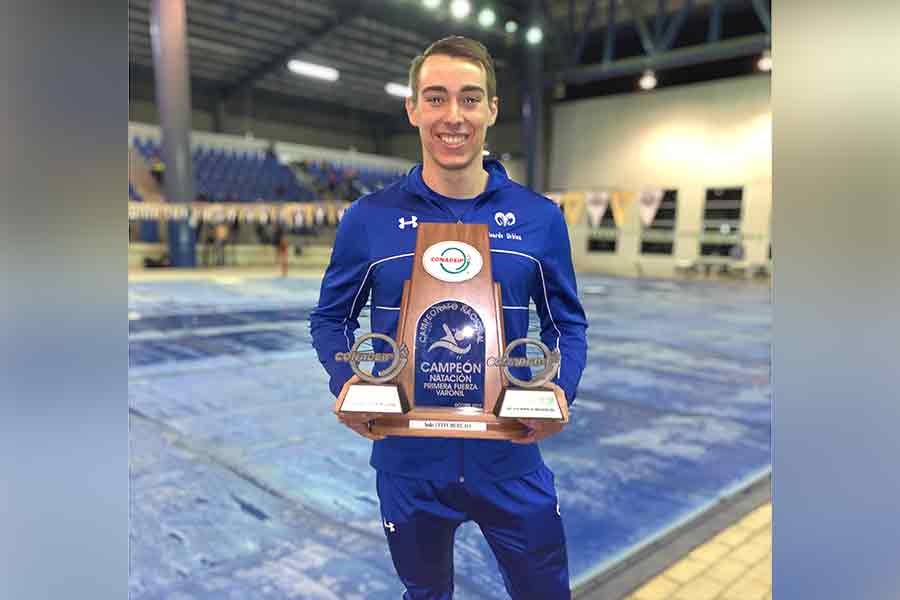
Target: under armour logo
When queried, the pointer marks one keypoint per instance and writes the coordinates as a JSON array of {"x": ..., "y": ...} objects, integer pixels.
[
  {"x": 389, "y": 526},
  {"x": 505, "y": 219},
  {"x": 413, "y": 221}
]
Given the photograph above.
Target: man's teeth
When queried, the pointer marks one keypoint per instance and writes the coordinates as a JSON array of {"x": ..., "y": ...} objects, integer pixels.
[{"x": 453, "y": 139}]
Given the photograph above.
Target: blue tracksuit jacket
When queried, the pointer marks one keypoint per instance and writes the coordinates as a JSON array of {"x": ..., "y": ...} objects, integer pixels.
[{"x": 531, "y": 259}]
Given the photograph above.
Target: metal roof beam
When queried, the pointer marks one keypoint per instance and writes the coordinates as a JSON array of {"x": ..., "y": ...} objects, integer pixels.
[
  {"x": 205, "y": 93},
  {"x": 763, "y": 15},
  {"x": 609, "y": 48},
  {"x": 556, "y": 39},
  {"x": 432, "y": 28},
  {"x": 715, "y": 22},
  {"x": 681, "y": 57},
  {"x": 659, "y": 22},
  {"x": 675, "y": 26},
  {"x": 247, "y": 18},
  {"x": 571, "y": 24},
  {"x": 643, "y": 32},
  {"x": 341, "y": 59},
  {"x": 345, "y": 12},
  {"x": 215, "y": 32},
  {"x": 585, "y": 31}
]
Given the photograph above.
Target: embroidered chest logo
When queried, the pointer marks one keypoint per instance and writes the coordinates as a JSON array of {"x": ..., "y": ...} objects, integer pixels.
[
  {"x": 505, "y": 219},
  {"x": 390, "y": 526},
  {"x": 413, "y": 222}
]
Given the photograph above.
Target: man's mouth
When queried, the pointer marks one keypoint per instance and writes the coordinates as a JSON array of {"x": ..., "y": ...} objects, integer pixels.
[{"x": 453, "y": 140}]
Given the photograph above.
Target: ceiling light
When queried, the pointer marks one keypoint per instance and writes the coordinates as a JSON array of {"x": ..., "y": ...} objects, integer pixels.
[
  {"x": 460, "y": 9},
  {"x": 431, "y": 4},
  {"x": 511, "y": 27},
  {"x": 765, "y": 61},
  {"x": 487, "y": 17},
  {"x": 534, "y": 35},
  {"x": 398, "y": 89},
  {"x": 647, "y": 80},
  {"x": 310, "y": 70}
]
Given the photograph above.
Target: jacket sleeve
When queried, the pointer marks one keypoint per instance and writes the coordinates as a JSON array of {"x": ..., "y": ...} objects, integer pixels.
[
  {"x": 563, "y": 322},
  {"x": 345, "y": 290}
]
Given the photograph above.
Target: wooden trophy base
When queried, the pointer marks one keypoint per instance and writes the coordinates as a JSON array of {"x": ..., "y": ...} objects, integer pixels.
[{"x": 450, "y": 422}]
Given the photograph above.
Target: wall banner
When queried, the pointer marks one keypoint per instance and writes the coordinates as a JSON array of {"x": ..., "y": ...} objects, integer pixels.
[
  {"x": 619, "y": 204},
  {"x": 573, "y": 207},
  {"x": 596, "y": 204},
  {"x": 649, "y": 204}
]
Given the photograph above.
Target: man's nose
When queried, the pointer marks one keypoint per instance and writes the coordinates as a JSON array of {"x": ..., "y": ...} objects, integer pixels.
[{"x": 454, "y": 116}]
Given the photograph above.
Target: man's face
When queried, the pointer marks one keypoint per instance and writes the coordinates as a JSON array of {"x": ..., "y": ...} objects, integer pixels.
[{"x": 452, "y": 111}]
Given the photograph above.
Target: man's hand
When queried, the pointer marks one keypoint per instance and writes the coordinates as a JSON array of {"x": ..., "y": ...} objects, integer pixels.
[
  {"x": 538, "y": 429},
  {"x": 360, "y": 423}
]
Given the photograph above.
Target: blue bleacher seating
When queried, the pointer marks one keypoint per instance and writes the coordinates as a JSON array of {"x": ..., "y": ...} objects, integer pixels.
[{"x": 227, "y": 175}]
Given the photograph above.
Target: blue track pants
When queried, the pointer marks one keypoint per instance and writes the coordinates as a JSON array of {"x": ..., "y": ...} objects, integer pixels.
[{"x": 519, "y": 519}]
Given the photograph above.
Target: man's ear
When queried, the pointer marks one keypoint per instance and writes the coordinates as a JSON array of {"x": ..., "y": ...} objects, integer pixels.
[
  {"x": 495, "y": 106},
  {"x": 411, "y": 111}
]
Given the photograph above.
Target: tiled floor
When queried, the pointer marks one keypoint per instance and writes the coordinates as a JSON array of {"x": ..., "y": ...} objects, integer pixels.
[{"x": 734, "y": 565}]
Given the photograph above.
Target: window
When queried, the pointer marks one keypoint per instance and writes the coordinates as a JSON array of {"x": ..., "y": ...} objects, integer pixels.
[{"x": 721, "y": 221}]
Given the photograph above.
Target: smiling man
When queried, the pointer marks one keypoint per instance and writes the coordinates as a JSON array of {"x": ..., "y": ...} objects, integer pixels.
[
  {"x": 453, "y": 103},
  {"x": 427, "y": 487}
]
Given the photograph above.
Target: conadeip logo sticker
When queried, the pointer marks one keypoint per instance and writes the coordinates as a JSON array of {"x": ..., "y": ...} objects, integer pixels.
[{"x": 452, "y": 261}]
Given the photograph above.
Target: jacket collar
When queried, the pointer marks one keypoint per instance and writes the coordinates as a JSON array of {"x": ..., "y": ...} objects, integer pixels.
[{"x": 497, "y": 179}]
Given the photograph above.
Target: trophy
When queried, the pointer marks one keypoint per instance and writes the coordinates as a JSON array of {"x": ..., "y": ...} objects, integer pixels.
[{"x": 449, "y": 373}]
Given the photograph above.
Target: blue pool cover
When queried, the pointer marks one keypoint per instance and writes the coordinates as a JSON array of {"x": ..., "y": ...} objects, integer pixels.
[{"x": 244, "y": 486}]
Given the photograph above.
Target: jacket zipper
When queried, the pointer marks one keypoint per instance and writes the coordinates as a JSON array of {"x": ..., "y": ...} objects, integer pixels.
[{"x": 459, "y": 221}]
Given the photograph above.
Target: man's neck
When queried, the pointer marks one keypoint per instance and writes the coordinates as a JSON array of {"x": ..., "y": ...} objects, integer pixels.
[{"x": 463, "y": 183}]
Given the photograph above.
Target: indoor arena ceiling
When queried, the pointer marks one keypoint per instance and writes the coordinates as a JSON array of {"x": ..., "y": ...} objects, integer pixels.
[{"x": 241, "y": 45}]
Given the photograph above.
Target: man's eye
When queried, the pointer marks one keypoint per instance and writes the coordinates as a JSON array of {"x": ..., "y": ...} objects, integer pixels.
[
  {"x": 434, "y": 100},
  {"x": 472, "y": 100}
]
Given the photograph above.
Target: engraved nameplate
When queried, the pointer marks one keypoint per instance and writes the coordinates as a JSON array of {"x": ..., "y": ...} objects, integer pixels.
[
  {"x": 448, "y": 425},
  {"x": 530, "y": 404},
  {"x": 372, "y": 398}
]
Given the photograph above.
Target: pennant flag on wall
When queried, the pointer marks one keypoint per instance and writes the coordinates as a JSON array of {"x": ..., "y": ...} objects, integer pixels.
[
  {"x": 619, "y": 204},
  {"x": 596, "y": 204},
  {"x": 649, "y": 204},
  {"x": 573, "y": 207}
]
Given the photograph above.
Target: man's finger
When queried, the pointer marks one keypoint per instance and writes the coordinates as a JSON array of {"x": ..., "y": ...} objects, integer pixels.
[
  {"x": 363, "y": 430},
  {"x": 538, "y": 429},
  {"x": 355, "y": 417}
]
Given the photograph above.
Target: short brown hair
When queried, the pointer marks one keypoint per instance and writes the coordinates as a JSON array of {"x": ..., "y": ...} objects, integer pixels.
[{"x": 460, "y": 47}]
